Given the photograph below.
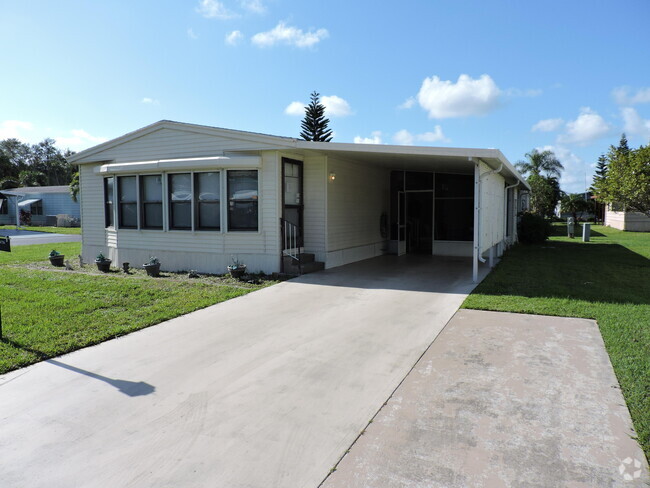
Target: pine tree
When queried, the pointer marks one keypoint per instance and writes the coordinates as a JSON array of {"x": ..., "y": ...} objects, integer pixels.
[
  {"x": 315, "y": 125},
  {"x": 599, "y": 177},
  {"x": 623, "y": 148}
]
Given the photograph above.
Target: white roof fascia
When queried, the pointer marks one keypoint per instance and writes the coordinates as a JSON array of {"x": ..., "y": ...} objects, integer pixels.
[
  {"x": 484, "y": 155},
  {"x": 181, "y": 164}
]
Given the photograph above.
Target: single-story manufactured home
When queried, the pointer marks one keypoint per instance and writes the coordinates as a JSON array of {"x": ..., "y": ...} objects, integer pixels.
[
  {"x": 618, "y": 217},
  {"x": 197, "y": 197},
  {"x": 42, "y": 203}
]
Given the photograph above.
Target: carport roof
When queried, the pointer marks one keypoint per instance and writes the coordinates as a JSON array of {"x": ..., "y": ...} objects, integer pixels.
[{"x": 418, "y": 158}]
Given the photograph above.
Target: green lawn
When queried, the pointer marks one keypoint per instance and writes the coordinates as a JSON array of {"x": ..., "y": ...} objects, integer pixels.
[
  {"x": 48, "y": 313},
  {"x": 607, "y": 280},
  {"x": 58, "y": 230}
]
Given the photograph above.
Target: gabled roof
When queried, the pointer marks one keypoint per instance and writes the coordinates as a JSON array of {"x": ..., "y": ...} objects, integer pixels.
[
  {"x": 375, "y": 152},
  {"x": 170, "y": 124}
]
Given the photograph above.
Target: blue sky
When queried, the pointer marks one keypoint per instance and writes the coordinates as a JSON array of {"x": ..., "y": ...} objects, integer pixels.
[{"x": 513, "y": 75}]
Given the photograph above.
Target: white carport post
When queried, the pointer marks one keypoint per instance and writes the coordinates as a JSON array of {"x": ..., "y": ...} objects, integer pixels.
[{"x": 477, "y": 194}]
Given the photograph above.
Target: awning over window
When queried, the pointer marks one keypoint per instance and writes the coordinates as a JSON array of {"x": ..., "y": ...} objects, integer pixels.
[{"x": 28, "y": 203}]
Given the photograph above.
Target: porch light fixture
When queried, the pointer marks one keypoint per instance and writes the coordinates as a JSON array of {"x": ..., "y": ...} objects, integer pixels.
[{"x": 332, "y": 176}]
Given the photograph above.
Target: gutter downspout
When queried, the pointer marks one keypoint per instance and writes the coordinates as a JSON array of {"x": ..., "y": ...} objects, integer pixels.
[
  {"x": 505, "y": 209},
  {"x": 477, "y": 215}
]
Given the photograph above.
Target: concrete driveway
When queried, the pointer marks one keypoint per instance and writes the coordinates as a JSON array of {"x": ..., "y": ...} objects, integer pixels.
[
  {"x": 28, "y": 237},
  {"x": 502, "y": 400},
  {"x": 265, "y": 390}
]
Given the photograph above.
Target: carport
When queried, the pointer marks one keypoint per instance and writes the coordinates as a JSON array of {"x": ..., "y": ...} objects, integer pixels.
[{"x": 437, "y": 201}]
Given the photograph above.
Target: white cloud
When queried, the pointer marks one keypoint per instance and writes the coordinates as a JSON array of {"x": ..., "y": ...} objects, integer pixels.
[
  {"x": 336, "y": 106},
  {"x": 213, "y": 9},
  {"x": 295, "y": 108},
  {"x": 150, "y": 101},
  {"x": 635, "y": 124},
  {"x": 292, "y": 36},
  {"x": 375, "y": 138},
  {"x": 78, "y": 140},
  {"x": 13, "y": 129},
  {"x": 405, "y": 138},
  {"x": 622, "y": 96},
  {"x": 233, "y": 38},
  {"x": 588, "y": 127},
  {"x": 435, "y": 136},
  {"x": 408, "y": 103},
  {"x": 191, "y": 34},
  {"x": 547, "y": 125},
  {"x": 445, "y": 99},
  {"x": 255, "y": 6}
]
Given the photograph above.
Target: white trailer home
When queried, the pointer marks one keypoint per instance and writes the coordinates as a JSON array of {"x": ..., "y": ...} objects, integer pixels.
[{"x": 197, "y": 196}]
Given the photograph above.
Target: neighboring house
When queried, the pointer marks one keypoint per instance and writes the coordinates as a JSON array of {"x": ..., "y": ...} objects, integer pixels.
[
  {"x": 40, "y": 201},
  {"x": 197, "y": 196},
  {"x": 619, "y": 218}
]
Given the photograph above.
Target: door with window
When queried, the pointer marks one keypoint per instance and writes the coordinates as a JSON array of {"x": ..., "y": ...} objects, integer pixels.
[{"x": 292, "y": 196}]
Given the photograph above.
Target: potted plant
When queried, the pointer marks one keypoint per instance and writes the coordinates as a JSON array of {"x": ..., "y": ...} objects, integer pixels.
[
  {"x": 152, "y": 267},
  {"x": 103, "y": 263},
  {"x": 237, "y": 269},
  {"x": 56, "y": 258}
]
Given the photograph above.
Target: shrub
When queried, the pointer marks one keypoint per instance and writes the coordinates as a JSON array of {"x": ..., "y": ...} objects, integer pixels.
[{"x": 533, "y": 229}]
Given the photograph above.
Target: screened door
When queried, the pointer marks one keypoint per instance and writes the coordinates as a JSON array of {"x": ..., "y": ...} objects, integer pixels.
[{"x": 292, "y": 195}]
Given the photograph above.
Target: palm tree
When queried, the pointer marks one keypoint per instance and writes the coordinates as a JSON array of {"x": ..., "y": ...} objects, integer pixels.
[{"x": 540, "y": 162}]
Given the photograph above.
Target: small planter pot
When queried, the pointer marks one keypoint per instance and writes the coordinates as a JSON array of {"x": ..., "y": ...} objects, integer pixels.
[
  {"x": 237, "y": 272},
  {"x": 57, "y": 260},
  {"x": 104, "y": 266},
  {"x": 152, "y": 269}
]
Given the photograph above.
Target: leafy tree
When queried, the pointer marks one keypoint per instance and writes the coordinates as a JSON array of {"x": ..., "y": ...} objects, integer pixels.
[
  {"x": 9, "y": 182},
  {"x": 31, "y": 178},
  {"x": 538, "y": 163},
  {"x": 628, "y": 178},
  {"x": 42, "y": 163},
  {"x": 315, "y": 125},
  {"x": 574, "y": 203},
  {"x": 74, "y": 187},
  {"x": 544, "y": 195}
]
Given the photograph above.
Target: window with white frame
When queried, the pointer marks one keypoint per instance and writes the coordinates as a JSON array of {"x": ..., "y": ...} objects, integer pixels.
[
  {"x": 180, "y": 201},
  {"x": 108, "y": 201},
  {"x": 207, "y": 198},
  {"x": 192, "y": 199},
  {"x": 152, "y": 201},
  {"x": 242, "y": 200},
  {"x": 127, "y": 198}
]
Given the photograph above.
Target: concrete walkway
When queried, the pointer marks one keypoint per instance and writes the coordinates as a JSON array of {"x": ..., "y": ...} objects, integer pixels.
[
  {"x": 28, "y": 237},
  {"x": 502, "y": 400},
  {"x": 266, "y": 390}
]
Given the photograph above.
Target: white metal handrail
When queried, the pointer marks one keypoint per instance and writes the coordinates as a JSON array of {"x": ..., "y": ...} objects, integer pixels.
[{"x": 290, "y": 241}]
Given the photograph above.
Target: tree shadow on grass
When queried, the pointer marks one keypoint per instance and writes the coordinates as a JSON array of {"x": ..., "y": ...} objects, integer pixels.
[
  {"x": 130, "y": 388},
  {"x": 591, "y": 272}
]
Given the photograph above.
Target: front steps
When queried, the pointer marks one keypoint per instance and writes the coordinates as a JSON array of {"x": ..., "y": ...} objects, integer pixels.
[{"x": 308, "y": 264}]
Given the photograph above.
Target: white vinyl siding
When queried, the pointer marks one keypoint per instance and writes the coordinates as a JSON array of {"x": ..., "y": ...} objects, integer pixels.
[
  {"x": 315, "y": 201},
  {"x": 172, "y": 143},
  {"x": 206, "y": 251},
  {"x": 355, "y": 201},
  {"x": 492, "y": 203}
]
